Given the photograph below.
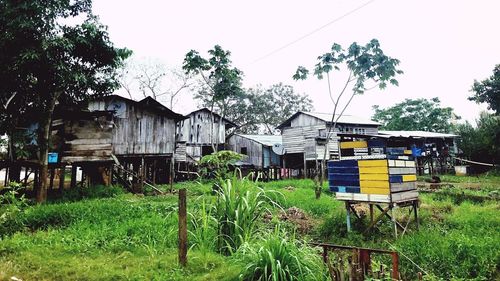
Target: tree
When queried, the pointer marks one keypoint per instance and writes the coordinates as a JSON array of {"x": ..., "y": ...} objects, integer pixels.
[
  {"x": 481, "y": 143},
  {"x": 488, "y": 91},
  {"x": 275, "y": 104},
  {"x": 364, "y": 64},
  {"x": 53, "y": 51},
  {"x": 221, "y": 82},
  {"x": 149, "y": 77},
  {"x": 416, "y": 115}
]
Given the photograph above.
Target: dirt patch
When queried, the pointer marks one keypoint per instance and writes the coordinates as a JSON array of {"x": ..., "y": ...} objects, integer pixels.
[
  {"x": 295, "y": 216},
  {"x": 289, "y": 188}
]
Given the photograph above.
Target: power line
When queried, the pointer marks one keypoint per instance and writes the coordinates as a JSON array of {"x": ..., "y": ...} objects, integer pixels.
[{"x": 314, "y": 31}]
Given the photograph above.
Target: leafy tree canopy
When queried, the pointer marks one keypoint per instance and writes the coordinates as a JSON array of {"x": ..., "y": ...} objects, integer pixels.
[
  {"x": 52, "y": 51},
  {"x": 488, "y": 91},
  {"x": 481, "y": 143},
  {"x": 416, "y": 115}
]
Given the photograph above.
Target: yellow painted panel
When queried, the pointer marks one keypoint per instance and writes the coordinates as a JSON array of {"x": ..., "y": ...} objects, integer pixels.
[
  {"x": 409, "y": 178},
  {"x": 374, "y": 184},
  {"x": 373, "y": 170},
  {"x": 371, "y": 190},
  {"x": 407, "y": 152},
  {"x": 353, "y": 144},
  {"x": 374, "y": 177},
  {"x": 372, "y": 163}
]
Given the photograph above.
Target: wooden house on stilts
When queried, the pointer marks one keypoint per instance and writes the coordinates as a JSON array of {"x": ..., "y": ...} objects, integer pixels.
[
  {"x": 143, "y": 137},
  {"x": 305, "y": 134}
]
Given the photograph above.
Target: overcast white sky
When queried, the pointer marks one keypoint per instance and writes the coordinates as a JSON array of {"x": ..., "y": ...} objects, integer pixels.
[{"x": 443, "y": 45}]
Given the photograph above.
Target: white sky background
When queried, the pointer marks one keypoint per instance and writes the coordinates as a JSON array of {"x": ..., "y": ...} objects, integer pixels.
[{"x": 442, "y": 45}]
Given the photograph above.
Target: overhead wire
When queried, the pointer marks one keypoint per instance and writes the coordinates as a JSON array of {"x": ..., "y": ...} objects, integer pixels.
[{"x": 313, "y": 31}]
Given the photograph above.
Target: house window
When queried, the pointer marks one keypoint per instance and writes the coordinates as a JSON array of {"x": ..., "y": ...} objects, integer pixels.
[{"x": 243, "y": 151}]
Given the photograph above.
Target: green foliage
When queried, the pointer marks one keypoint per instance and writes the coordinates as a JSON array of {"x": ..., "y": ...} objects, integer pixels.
[
  {"x": 12, "y": 204},
  {"x": 416, "y": 115},
  {"x": 365, "y": 63},
  {"x": 488, "y": 91},
  {"x": 219, "y": 162},
  {"x": 279, "y": 256},
  {"x": 221, "y": 86},
  {"x": 92, "y": 192},
  {"x": 265, "y": 109},
  {"x": 481, "y": 143},
  {"x": 239, "y": 204}
]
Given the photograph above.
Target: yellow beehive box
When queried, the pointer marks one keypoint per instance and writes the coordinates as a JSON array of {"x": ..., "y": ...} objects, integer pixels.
[
  {"x": 372, "y": 163},
  {"x": 373, "y": 170},
  {"x": 374, "y": 184},
  {"x": 353, "y": 144},
  {"x": 374, "y": 177},
  {"x": 375, "y": 190}
]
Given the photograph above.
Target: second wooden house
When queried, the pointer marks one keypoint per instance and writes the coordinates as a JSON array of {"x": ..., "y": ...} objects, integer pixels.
[
  {"x": 143, "y": 136},
  {"x": 305, "y": 134}
]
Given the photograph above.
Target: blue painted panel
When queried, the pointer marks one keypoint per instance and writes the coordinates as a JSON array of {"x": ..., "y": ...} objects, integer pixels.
[
  {"x": 344, "y": 177},
  {"x": 343, "y": 163},
  {"x": 376, "y": 143},
  {"x": 343, "y": 170},
  {"x": 344, "y": 182},
  {"x": 396, "y": 179},
  {"x": 267, "y": 156}
]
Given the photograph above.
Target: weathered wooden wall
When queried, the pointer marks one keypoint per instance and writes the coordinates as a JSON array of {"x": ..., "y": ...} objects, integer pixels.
[
  {"x": 138, "y": 130},
  {"x": 254, "y": 149},
  {"x": 84, "y": 140},
  {"x": 196, "y": 129}
]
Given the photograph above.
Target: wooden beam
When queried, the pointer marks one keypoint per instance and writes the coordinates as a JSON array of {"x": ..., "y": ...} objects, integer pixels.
[{"x": 182, "y": 228}]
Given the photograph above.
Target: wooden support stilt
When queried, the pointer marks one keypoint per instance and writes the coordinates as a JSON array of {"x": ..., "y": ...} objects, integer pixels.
[
  {"x": 73, "y": 175},
  {"x": 393, "y": 215},
  {"x": 62, "y": 173},
  {"x": 348, "y": 217},
  {"x": 371, "y": 213},
  {"x": 415, "y": 213},
  {"x": 52, "y": 176}
]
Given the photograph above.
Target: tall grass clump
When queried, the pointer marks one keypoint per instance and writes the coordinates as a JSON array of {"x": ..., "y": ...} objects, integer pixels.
[
  {"x": 279, "y": 257},
  {"x": 239, "y": 204}
]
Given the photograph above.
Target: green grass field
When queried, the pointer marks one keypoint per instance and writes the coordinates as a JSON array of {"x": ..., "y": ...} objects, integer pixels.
[{"x": 106, "y": 234}]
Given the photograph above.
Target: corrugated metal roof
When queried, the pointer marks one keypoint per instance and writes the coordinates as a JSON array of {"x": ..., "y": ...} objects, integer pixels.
[
  {"x": 344, "y": 119},
  {"x": 268, "y": 140},
  {"x": 416, "y": 134}
]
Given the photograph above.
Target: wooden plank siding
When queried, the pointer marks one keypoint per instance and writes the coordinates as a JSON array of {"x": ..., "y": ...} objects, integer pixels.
[
  {"x": 196, "y": 129},
  {"x": 86, "y": 140},
  {"x": 254, "y": 150},
  {"x": 140, "y": 128},
  {"x": 301, "y": 131}
]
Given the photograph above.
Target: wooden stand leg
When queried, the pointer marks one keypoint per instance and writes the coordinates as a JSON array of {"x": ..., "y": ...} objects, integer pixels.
[
  {"x": 393, "y": 215},
  {"x": 348, "y": 216}
]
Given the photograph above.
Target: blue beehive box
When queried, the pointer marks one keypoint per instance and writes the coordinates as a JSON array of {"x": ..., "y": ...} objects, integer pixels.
[{"x": 53, "y": 157}]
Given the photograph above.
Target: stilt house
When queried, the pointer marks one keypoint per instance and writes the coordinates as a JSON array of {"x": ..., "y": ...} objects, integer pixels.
[
  {"x": 198, "y": 132},
  {"x": 305, "y": 134},
  {"x": 257, "y": 148}
]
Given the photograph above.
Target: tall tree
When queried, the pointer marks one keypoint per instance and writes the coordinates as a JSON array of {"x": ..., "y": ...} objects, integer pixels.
[
  {"x": 53, "y": 51},
  {"x": 481, "y": 143},
  {"x": 272, "y": 106},
  {"x": 151, "y": 77},
  {"x": 488, "y": 91},
  {"x": 221, "y": 82},
  {"x": 365, "y": 64},
  {"x": 416, "y": 115}
]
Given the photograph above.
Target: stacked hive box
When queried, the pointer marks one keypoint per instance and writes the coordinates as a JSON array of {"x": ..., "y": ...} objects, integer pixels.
[{"x": 378, "y": 180}]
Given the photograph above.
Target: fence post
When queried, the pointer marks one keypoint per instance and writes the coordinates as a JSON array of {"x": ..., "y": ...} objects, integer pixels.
[{"x": 182, "y": 228}]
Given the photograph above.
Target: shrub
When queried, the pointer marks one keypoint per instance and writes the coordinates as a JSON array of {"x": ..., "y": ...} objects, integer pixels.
[
  {"x": 278, "y": 257},
  {"x": 239, "y": 203}
]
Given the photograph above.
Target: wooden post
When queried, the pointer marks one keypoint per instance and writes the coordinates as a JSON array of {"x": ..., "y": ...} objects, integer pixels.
[
  {"x": 73, "y": 175},
  {"x": 172, "y": 174},
  {"x": 61, "y": 178},
  {"x": 348, "y": 216},
  {"x": 395, "y": 266},
  {"x": 393, "y": 215},
  {"x": 52, "y": 175},
  {"x": 305, "y": 166},
  {"x": 182, "y": 227},
  {"x": 371, "y": 213},
  {"x": 415, "y": 212}
]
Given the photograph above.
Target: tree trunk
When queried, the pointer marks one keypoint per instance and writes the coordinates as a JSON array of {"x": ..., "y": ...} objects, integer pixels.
[{"x": 43, "y": 143}]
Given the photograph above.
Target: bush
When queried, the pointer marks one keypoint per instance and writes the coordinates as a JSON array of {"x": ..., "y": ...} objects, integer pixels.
[
  {"x": 279, "y": 257},
  {"x": 92, "y": 192}
]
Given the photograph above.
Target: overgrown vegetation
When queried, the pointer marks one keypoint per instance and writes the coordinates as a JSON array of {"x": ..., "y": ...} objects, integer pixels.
[{"x": 127, "y": 236}]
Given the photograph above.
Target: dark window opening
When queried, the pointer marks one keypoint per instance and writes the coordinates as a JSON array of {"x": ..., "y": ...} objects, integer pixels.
[{"x": 244, "y": 151}]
